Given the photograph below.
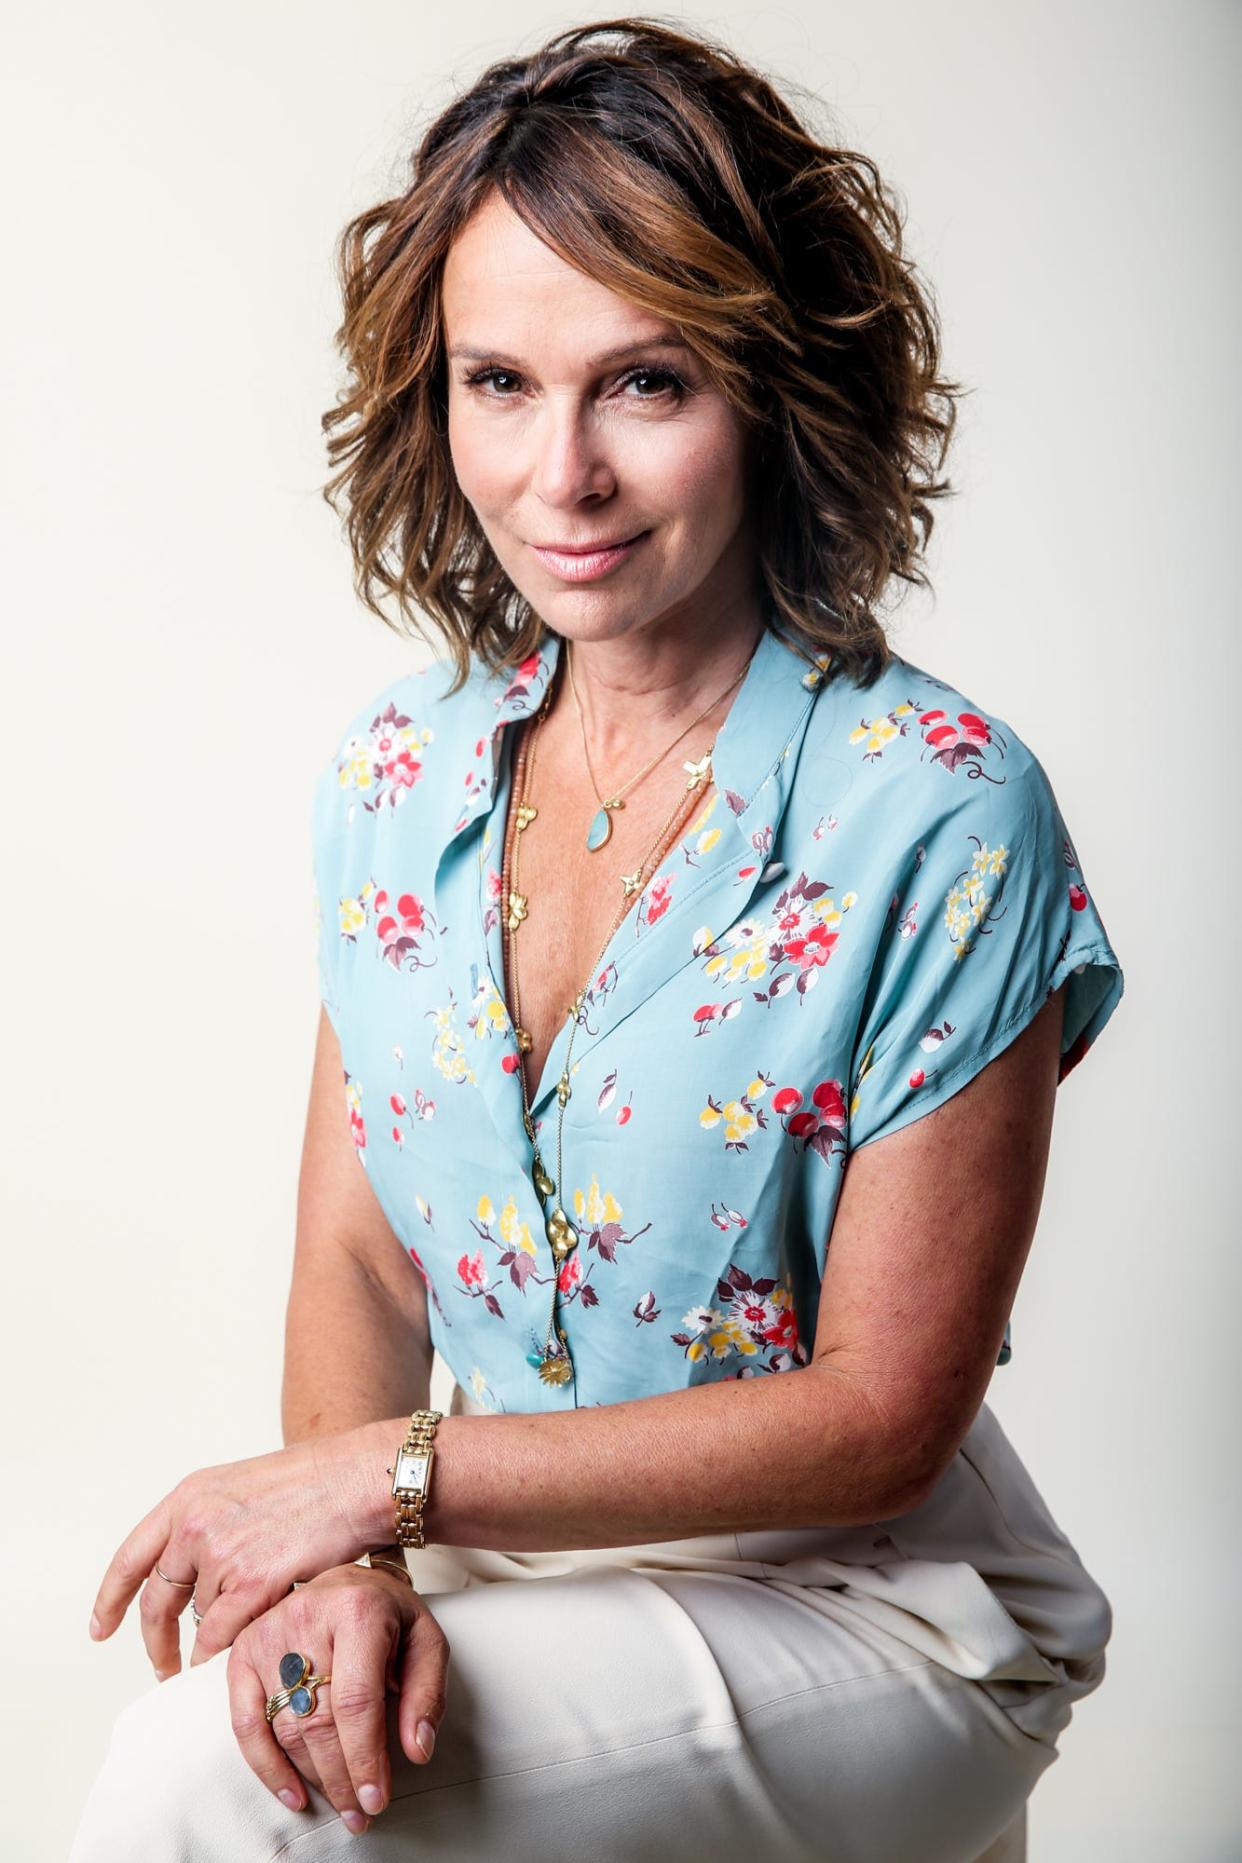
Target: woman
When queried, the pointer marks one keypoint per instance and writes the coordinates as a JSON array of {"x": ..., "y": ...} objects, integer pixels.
[{"x": 673, "y": 925}]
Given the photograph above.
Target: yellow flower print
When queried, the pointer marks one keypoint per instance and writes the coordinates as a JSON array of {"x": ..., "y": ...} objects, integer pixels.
[
  {"x": 354, "y": 911},
  {"x": 968, "y": 904},
  {"x": 746, "y": 956},
  {"x": 354, "y": 769},
  {"x": 741, "y": 1116},
  {"x": 596, "y": 1207},
  {"x": 739, "y": 1121},
  {"x": 484, "y": 1211},
  {"x": 516, "y": 1234},
  {"x": 447, "y": 1051},
  {"x": 488, "y": 1015},
  {"x": 877, "y": 732}
]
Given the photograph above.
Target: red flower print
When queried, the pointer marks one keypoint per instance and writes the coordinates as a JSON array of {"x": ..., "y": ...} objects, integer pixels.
[
  {"x": 819, "y": 1126},
  {"x": 570, "y": 1274},
  {"x": 783, "y": 1330},
  {"x": 399, "y": 932},
  {"x": 1077, "y": 895},
  {"x": 815, "y": 949},
  {"x": 659, "y": 898},
  {"x": 471, "y": 1270},
  {"x": 961, "y": 740}
]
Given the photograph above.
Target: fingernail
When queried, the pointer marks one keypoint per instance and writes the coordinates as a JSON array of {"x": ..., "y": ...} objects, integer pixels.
[
  {"x": 426, "y": 1737},
  {"x": 96, "y": 1626},
  {"x": 288, "y": 1796},
  {"x": 161, "y": 1675},
  {"x": 370, "y": 1798},
  {"x": 354, "y": 1821}
]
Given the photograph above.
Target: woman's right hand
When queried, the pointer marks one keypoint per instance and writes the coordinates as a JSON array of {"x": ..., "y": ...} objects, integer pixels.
[{"x": 373, "y": 1634}]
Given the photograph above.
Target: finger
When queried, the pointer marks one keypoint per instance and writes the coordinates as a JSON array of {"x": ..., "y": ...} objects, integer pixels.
[
  {"x": 424, "y": 1685},
  {"x": 224, "y": 1620},
  {"x": 323, "y": 1743},
  {"x": 131, "y": 1563},
  {"x": 160, "y": 1604},
  {"x": 363, "y": 1651},
  {"x": 261, "y": 1750}
]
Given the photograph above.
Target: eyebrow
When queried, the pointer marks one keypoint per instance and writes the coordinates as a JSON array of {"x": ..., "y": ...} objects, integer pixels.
[{"x": 466, "y": 354}]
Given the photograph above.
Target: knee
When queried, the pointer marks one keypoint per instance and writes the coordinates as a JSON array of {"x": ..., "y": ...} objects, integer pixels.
[{"x": 174, "y": 1781}]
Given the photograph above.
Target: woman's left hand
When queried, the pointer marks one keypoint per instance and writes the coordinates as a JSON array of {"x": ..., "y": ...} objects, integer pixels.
[{"x": 239, "y": 1534}]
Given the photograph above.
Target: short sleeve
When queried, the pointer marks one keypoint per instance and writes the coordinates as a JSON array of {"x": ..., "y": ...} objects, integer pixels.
[{"x": 990, "y": 916}]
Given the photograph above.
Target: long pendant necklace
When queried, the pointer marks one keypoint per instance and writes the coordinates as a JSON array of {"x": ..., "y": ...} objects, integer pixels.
[
  {"x": 555, "y": 1365},
  {"x": 601, "y": 822}
]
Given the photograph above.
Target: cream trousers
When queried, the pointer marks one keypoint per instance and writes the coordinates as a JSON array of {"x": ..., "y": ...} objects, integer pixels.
[{"x": 885, "y": 1694}]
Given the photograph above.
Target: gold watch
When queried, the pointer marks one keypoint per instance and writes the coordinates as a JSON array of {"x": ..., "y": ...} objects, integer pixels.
[{"x": 411, "y": 1476}]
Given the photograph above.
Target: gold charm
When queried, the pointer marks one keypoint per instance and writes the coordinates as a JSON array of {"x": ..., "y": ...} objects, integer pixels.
[
  {"x": 632, "y": 881},
  {"x": 525, "y": 815},
  {"x": 517, "y": 910},
  {"x": 561, "y": 1234},
  {"x": 556, "y": 1370},
  {"x": 543, "y": 1183},
  {"x": 563, "y": 1090},
  {"x": 698, "y": 772},
  {"x": 525, "y": 1040},
  {"x": 556, "y": 1366}
]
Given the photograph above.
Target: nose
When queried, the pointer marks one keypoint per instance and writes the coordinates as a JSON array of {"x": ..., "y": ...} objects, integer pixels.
[{"x": 569, "y": 454}]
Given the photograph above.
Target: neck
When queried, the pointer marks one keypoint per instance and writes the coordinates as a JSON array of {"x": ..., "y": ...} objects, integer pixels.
[{"x": 638, "y": 689}]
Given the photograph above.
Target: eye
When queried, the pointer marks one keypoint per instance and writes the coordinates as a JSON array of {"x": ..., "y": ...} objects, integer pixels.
[
  {"x": 488, "y": 373},
  {"x": 670, "y": 382},
  {"x": 492, "y": 379}
]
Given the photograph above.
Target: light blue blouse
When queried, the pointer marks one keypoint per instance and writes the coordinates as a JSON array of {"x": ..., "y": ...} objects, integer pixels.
[{"x": 876, "y": 896}]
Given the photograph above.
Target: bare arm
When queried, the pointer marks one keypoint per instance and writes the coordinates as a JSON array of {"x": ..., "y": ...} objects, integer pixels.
[
  {"x": 915, "y": 1297},
  {"x": 356, "y": 1340}
]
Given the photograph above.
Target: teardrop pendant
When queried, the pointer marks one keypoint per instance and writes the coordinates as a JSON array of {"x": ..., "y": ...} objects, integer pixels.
[
  {"x": 599, "y": 831},
  {"x": 601, "y": 824}
]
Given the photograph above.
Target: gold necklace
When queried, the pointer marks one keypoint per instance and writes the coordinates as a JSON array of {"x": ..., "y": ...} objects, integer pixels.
[
  {"x": 555, "y": 1364},
  {"x": 601, "y": 821}
]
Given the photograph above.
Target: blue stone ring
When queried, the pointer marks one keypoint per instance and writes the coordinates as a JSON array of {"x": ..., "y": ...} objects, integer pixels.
[{"x": 298, "y": 1686}]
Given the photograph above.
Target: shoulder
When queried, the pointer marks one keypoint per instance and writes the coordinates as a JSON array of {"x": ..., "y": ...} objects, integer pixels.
[
  {"x": 395, "y": 748},
  {"x": 920, "y": 753}
]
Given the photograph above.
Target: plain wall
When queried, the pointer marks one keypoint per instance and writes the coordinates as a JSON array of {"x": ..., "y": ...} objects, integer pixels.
[{"x": 183, "y": 647}]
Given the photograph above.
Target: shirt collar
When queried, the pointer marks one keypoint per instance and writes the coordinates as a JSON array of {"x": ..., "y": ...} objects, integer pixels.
[{"x": 777, "y": 691}]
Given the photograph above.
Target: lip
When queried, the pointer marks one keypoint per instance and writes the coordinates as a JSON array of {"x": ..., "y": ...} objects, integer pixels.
[{"x": 584, "y": 565}]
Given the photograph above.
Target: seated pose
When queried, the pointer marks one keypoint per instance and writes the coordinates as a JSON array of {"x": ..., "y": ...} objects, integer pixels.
[{"x": 697, "y": 974}]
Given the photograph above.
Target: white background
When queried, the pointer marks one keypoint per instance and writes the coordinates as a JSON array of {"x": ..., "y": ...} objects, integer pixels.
[{"x": 183, "y": 647}]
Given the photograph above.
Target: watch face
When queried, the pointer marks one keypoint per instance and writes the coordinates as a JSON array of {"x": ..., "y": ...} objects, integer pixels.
[{"x": 411, "y": 1469}]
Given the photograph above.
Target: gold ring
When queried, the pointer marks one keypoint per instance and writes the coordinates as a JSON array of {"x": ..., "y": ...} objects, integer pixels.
[
  {"x": 299, "y": 1700},
  {"x": 187, "y": 1584}
]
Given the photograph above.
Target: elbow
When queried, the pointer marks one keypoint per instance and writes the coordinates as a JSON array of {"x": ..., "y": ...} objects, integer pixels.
[{"x": 892, "y": 1458}]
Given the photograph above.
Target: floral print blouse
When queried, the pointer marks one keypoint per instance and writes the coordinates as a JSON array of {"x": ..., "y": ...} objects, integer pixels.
[{"x": 876, "y": 896}]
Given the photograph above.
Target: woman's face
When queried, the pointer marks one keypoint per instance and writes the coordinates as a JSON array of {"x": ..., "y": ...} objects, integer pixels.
[{"x": 575, "y": 419}]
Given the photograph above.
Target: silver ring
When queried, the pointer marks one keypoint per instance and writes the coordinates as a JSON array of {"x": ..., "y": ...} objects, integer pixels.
[{"x": 195, "y": 1613}]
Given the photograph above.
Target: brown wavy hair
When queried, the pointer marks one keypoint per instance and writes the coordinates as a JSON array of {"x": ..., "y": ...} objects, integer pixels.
[{"x": 659, "y": 164}]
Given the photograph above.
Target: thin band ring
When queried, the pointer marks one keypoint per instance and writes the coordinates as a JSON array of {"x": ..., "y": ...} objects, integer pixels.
[
  {"x": 300, "y": 1700},
  {"x": 185, "y": 1584}
]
